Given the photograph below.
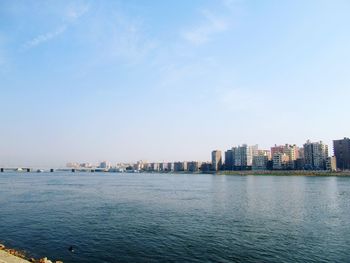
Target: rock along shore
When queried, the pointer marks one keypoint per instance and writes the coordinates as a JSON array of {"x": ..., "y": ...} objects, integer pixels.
[{"x": 8, "y": 255}]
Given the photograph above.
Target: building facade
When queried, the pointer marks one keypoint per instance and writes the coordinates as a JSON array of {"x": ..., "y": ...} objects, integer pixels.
[
  {"x": 243, "y": 156},
  {"x": 170, "y": 167},
  {"x": 277, "y": 149},
  {"x": 280, "y": 161},
  {"x": 289, "y": 149},
  {"x": 342, "y": 153},
  {"x": 216, "y": 160},
  {"x": 229, "y": 161},
  {"x": 260, "y": 162},
  {"x": 180, "y": 166},
  {"x": 240, "y": 154},
  {"x": 206, "y": 167},
  {"x": 315, "y": 155},
  {"x": 193, "y": 167},
  {"x": 331, "y": 164},
  {"x": 105, "y": 165}
]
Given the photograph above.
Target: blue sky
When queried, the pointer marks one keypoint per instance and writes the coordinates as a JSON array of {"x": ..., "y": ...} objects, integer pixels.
[{"x": 169, "y": 80}]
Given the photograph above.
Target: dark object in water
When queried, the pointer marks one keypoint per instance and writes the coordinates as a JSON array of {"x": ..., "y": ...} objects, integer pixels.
[{"x": 71, "y": 249}]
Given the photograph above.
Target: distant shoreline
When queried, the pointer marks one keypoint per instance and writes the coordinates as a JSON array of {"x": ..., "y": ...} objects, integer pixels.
[
  {"x": 261, "y": 173},
  {"x": 285, "y": 173},
  {"x": 240, "y": 173}
]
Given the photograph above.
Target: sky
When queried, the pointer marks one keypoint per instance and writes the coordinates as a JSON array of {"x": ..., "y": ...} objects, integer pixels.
[{"x": 87, "y": 81}]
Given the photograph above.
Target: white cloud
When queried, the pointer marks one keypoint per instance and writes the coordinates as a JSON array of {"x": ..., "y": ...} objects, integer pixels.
[
  {"x": 45, "y": 37},
  {"x": 116, "y": 37},
  {"x": 129, "y": 42},
  {"x": 75, "y": 12},
  {"x": 203, "y": 32},
  {"x": 231, "y": 4},
  {"x": 72, "y": 14}
]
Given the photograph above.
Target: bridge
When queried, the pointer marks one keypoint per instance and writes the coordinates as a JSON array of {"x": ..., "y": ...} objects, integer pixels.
[{"x": 18, "y": 169}]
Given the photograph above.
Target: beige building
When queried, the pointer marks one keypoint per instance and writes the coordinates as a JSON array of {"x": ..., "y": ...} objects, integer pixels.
[
  {"x": 331, "y": 164},
  {"x": 316, "y": 154},
  {"x": 260, "y": 162},
  {"x": 291, "y": 150},
  {"x": 280, "y": 161},
  {"x": 216, "y": 160}
]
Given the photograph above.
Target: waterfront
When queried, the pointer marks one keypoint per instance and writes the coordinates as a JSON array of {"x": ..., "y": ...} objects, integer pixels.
[{"x": 176, "y": 217}]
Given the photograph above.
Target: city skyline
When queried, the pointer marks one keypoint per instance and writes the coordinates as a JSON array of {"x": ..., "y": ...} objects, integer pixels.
[
  {"x": 255, "y": 150},
  {"x": 308, "y": 156},
  {"x": 128, "y": 80}
]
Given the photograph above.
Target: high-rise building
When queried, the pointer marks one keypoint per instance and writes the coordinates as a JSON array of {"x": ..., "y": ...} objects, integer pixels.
[
  {"x": 229, "y": 161},
  {"x": 291, "y": 150},
  {"x": 260, "y": 161},
  {"x": 277, "y": 149},
  {"x": 170, "y": 167},
  {"x": 342, "y": 153},
  {"x": 315, "y": 155},
  {"x": 240, "y": 156},
  {"x": 265, "y": 153},
  {"x": 155, "y": 167},
  {"x": 216, "y": 160},
  {"x": 299, "y": 164},
  {"x": 139, "y": 165},
  {"x": 206, "y": 167},
  {"x": 193, "y": 166},
  {"x": 252, "y": 151},
  {"x": 280, "y": 161},
  {"x": 301, "y": 153},
  {"x": 180, "y": 166},
  {"x": 331, "y": 164},
  {"x": 146, "y": 166},
  {"x": 72, "y": 165},
  {"x": 162, "y": 167},
  {"x": 243, "y": 156},
  {"x": 105, "y": 165},
  {"x": 86, "y": 165}
]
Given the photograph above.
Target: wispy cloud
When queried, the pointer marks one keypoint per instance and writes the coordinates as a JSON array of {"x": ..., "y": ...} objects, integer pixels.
[
  {"x": 231, "y": 4},
  {"x": 45, "y": 37},
  {"x": 75, "y": 12},
  {"x": 72, "y": 14},
  {"x": 116, "y": 38},
  {"x": 204, "y": 31},
  {"x": 129, "y": 42}
]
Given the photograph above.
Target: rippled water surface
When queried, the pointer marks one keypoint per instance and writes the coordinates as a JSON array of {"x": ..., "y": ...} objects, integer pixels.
[{"x": 176, "y": 218}]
